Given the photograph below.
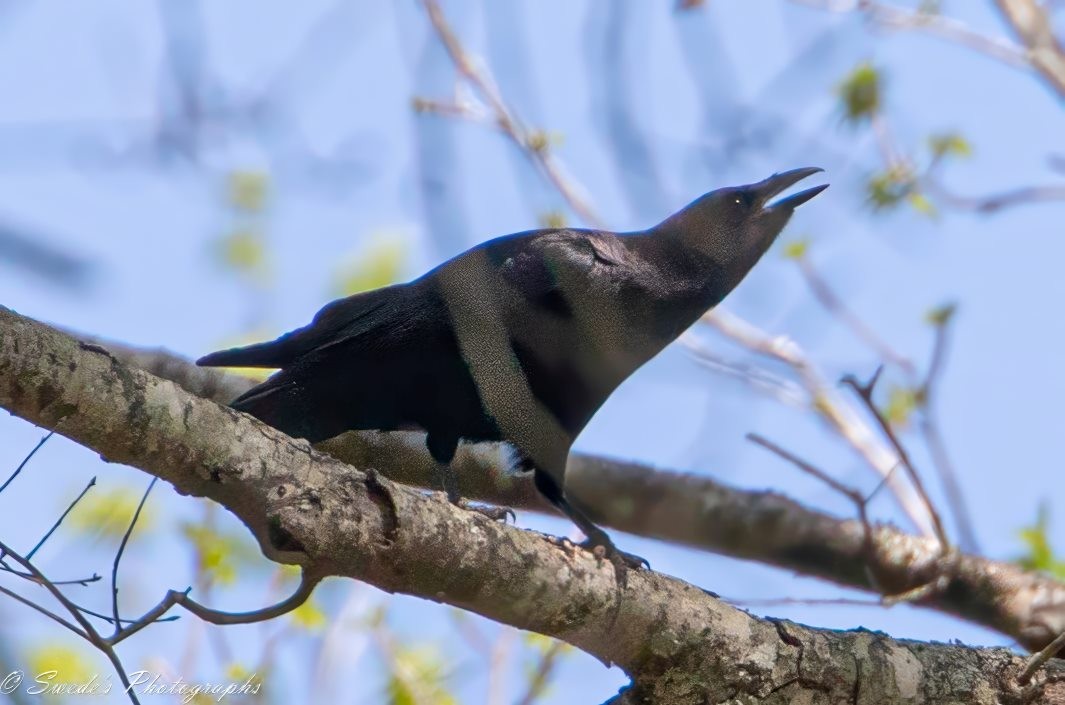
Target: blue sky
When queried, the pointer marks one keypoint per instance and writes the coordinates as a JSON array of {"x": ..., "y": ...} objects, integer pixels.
[{"x": 717, "y": 96}]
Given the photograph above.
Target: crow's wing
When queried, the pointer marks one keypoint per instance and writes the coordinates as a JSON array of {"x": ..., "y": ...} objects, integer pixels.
[
  {"x": 352, "y": 367},
  {"x": 554, "y": 269},
  {"x": 337, "y": 322}
]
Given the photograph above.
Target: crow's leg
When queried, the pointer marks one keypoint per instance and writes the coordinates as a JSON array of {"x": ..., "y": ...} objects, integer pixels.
[
  {"x": 443, "y": 448},
  {"x": 597, "y": 538}
]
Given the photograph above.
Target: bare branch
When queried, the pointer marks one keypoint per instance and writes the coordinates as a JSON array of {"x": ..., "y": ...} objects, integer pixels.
[
  {"x": 695, "y": 511},
  {"x": 81, "y": 495},
  {"x": 832, "y": 302},
  {"x": 841, "y": 416},
  {"x": 28, "y": 458},
  {"x": 532, "y": 143},
  {"x": 307, "y": 507},
  {"x": 121, "y": 550},
  {"x": 1032, "y": 25},
  {"x": 893, "y": 17},
  {"x": 865, "y": 393}
]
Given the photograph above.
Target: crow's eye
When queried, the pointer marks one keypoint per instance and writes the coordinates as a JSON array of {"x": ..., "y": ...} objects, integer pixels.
[{"x": 739, "y": 201}]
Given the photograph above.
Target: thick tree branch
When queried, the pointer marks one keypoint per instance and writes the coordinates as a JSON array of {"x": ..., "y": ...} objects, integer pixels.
[
  {"x": 696, "y": 511},
  {"x": 678, "y": 642}
]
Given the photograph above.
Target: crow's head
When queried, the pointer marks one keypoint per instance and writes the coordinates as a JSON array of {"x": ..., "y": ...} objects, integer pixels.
[{"x": 734, "y": 226}]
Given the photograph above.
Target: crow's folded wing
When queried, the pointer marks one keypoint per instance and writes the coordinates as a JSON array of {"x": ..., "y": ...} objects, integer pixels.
[{"x": 378, "y": 316}]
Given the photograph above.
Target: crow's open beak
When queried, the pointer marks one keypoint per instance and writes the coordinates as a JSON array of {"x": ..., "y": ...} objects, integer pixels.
[{"x": 778, "y": 183}]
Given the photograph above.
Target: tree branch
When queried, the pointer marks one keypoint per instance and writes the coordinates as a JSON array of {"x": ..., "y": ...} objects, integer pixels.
[
  {"x": 1032, "y": 25},
  {"x": 678, "y": 642},
  {"x": 694, "y": 511}
]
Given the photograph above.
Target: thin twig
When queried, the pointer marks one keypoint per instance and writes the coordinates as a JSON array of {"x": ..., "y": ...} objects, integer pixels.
[
  {"x": 840, "y": 414},
  {"x": 84, "y": 582},
  {"x": 808, "y": 602},
  {"x": 92, "y": 483},
  {"x": 832, "y": 302},
  {"x": 25, "y": 460},
  {"x": 43, "y": 610},
  {"x": 808, "y": 468},
  {"x": 1040, "y": 657},
  {"x": 934, "y": 586},
  {"x": 540, "y": 677},
  {"x": 88, "y": 631},
  {"x": 894, "y": 17},
  {"x": 308, "y": 581},
  {"x": 865, "y": 393},
  {"x": 121, "y": 550},
  {"x": 532, "y": 144},
  {"x": 1029, "y": 20}
]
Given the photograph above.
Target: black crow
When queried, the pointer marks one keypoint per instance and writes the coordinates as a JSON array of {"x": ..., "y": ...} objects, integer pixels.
[{"x": 520, "y": 339}]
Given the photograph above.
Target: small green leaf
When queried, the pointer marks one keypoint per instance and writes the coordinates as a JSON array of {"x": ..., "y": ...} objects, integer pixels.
[
  {"x": 107, "y": 514},
  {"x": 796, "y": 249},
  {"x": 378, "y": 265},
  {"x": 541, "y": 643},
  {"x": 308, "y": 616},
  {"x": 418, "y": 678},
  {"x": 902, "y": 401},
  {"x": 538, "y": 141},
  {"x": 219, "y": 555},
  {"x": 949, "y": 144},
  {"x": 886, "y": 189},
  {"x": 1040, "y": 555},
  {"x": 248, "y": 190},
  {"x": 244, "y": 250},
  {"x": 941, "y": 315},
  {"x": 289, "y": 571},
  {"x": 920, "y": 203},
  {"x": 859, "y": 93},
  {"x": 59, "y": 664},
  {"x": 553, "y": 219}
]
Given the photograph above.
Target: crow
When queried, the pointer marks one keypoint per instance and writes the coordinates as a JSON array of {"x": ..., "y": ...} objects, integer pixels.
[{"x": 520, "y": 339}]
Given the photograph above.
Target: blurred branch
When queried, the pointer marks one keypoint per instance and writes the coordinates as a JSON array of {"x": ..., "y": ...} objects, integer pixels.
[
  {"x": 865, "y": 393},
  {"x": 993, "y": 203},
  {"x": 1041, "y": 52},
  {"x": 825, "y": 400},
  {"x": 335, "y": 519},
  {"x": 893, "y": 17},
  {"x": 1030, "y": 22},
  {"x": 834, "y": 304},
  {"x": 936, "y": 583},
  {"x": 922, "y": 388},
  {"x": 533, "y": 143},
  {"x": 82, "y": 626},
  {"x": 29, "y": 252},
  {"x": 541, "y": 675},
  {"x": 693, "y": 511}
]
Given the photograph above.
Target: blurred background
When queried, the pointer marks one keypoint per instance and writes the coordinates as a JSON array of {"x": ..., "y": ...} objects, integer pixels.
[{"x": 191, "y": 175}]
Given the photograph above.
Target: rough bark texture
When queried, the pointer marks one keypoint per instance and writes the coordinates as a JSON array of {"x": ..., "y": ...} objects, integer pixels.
[
  {"x": 679, "y": 643},
  {"x": 698, "y": 512}
]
